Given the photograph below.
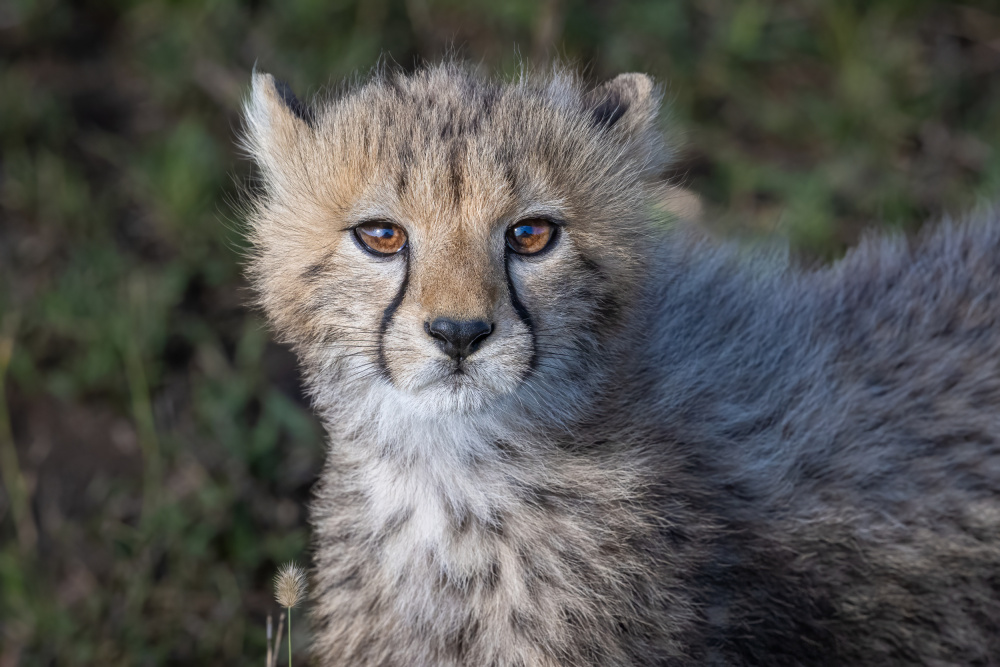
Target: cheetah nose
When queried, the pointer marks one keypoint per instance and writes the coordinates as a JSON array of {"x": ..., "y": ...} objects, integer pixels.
[{"x": 458, "y": 339}]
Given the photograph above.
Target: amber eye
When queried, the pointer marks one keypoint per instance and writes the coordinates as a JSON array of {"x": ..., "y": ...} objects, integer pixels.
[
  {"x": 381, "y": 237},
  {"x": 531, "y": 236}
]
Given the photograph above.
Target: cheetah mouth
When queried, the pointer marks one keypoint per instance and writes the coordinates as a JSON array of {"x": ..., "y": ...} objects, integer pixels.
[
  {"x": 460, "y": 377},
  {"x": 475, "y": 379},
  {"x": 453, "y": 376}
]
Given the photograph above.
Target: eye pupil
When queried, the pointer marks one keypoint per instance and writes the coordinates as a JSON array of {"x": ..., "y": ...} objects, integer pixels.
[
  {"x": 381, "y": 238},
  {"x": 529, "y": 238}
]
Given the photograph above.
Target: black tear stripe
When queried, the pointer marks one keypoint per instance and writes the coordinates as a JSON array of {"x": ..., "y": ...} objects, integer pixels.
[
  {"x": 387, "y": 314},
  {"x": 522, "y": 313}
]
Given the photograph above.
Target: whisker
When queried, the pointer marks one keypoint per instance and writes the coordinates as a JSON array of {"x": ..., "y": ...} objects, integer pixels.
[
  {"x": 368, "y": 371},
  {"x": 353, "y": 346}
]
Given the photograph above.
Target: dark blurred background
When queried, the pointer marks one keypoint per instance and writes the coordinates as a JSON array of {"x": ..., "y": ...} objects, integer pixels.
[{"x": 155, "y": 447}]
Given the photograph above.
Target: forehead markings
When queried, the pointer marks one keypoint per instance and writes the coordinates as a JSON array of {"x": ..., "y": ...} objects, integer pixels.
[
  {"x": 460, "y": 112},
  {"x": 405, "y": 164},
  {"x": 456, "y": 170}
]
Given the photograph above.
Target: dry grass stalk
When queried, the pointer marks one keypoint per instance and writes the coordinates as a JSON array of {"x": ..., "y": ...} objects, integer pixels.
[
  {"x": 270, "y": 646},
  {"x": 290, "y": 585},
  {"x": 289, "y": 590}
]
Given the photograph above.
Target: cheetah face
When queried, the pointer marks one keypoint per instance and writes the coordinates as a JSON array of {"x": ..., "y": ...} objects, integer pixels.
[{"x": 456, "y": 242}]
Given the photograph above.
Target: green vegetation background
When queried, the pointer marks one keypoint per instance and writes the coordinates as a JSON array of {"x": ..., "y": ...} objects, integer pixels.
[{"x": 155, "y": 447}]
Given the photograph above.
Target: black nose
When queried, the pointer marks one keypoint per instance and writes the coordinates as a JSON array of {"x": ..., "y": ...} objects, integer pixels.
[{"x": 458, "y": 339}]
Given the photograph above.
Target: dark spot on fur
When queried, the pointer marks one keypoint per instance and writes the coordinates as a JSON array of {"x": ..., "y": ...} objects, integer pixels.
[
  {"x": 506, "y": 448},
  {"x": 448, "y": 582},
  {"x": 489, "y": 100},
  {"x": 465, "y": 637},
  {"x": 504, "y": 158},
  {"x": 607, "y": 310},
  {"x": 548, "y": 498},
  {"x": 397, "y": 521},
  {"x": 461, "y": 519},
  {"x": 314, "y": 271},
  {"x": 592, "y": 268},
  {"x": 522, "y": 623},
  {"x": 607, "y": 307},
  {"x": 366, "y": 139},
  {"x": 983, "y": 397},
  {"x": 494, "y": 525},
  {"x": 572, "y": 562},
  {"x": 405, "y": 164},
  {"x": 573, "y": 618},
  {"x": 537, "y": 496},
  {"x": 492, "y": 577},
  {"x": 456, "y": 155},
  {"x": 951, "y": 380}
]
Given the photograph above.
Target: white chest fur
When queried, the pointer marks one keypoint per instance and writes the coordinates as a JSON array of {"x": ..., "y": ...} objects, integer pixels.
[{"x": 432, "y": 491}]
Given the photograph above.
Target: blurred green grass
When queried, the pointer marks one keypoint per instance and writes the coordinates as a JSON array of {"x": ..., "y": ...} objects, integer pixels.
[{"x": 163, "y": 448}]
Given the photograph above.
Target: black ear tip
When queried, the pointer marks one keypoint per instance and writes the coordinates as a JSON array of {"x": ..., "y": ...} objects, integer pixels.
[
  {"x": 609, "y": 112},
  {"x": 301, "y": 111}
]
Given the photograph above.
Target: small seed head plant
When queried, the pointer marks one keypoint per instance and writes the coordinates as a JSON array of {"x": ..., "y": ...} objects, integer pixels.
[{"x": 290, "y": 588}]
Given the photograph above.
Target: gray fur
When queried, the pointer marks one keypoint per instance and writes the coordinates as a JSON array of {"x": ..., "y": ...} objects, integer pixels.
[{"x": 671, "y": 452}]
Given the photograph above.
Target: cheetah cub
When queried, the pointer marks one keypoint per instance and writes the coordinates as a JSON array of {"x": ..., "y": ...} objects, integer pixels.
[{"x": 561, "y": 434}]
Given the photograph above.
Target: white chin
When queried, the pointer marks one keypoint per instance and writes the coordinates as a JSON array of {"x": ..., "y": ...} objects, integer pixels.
[{"x": 458, "y": 392}]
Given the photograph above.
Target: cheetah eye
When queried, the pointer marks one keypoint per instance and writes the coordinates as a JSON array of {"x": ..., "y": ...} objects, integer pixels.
[
  {"x": 531, "y": 236},
  {"x": 380, "y": 237}
]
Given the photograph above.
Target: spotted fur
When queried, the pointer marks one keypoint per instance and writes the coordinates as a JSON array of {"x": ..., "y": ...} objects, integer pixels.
[{"x": 667, "y": 452}]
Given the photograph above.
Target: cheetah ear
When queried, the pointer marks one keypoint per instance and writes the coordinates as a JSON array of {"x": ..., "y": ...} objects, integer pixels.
[
  {"x": 629, "y": 101},
  {"x": 275, "y": 123}
]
